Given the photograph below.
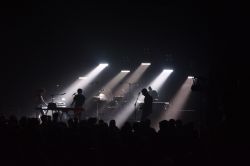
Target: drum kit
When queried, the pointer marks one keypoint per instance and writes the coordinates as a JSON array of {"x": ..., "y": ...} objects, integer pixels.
[
  {"x": 107, "y": 102},
  {"x": 113, "y": 103},
  {"x": 56, "y": 103}
]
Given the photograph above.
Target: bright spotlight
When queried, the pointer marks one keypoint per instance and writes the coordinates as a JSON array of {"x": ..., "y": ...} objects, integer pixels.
[
  {"x": 145, "y": 64},
  {"x": 82, "y": 78},
  {"x": 125, "y": 71},
  {"x": 103, "y": 64},
  {"x": 190, "y": 77},
  {"x": 102, "y": 96},
  {"x": 168, "y": 70}
]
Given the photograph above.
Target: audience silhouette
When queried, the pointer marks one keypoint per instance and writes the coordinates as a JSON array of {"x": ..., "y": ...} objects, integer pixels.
[{"x": 51, "y": 141}]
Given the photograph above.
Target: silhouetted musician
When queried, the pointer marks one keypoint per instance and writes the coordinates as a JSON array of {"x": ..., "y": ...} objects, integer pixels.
[
  {"x": 78, "y": 102},
  {"x": 153, "y": 94},
  {"x": 147, "y": 105}
]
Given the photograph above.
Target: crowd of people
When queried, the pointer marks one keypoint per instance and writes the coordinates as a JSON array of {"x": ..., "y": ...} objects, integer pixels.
[{"x": 48, "y": 141}]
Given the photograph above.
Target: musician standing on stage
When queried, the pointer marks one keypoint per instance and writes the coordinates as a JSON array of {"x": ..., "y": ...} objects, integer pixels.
[
  {"x": 147, "y": 105},
  {"x": 153, "y": 93},
  {"x": 78, "y": 103}
]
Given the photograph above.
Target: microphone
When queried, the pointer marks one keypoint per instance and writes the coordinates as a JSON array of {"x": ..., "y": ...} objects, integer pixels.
[
  {"x": 139, "y": 93},
  {"x": 74, "y": 94}
]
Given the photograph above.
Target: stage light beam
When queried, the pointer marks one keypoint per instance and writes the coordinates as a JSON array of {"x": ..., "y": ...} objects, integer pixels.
[
  {"x": 176, "y": 103},
  {"x": 83, "y": 82},
  {"x": 160, "y": 79},
  {"x": 179, "y": 100},
  {"x": 133, "y": 78}
]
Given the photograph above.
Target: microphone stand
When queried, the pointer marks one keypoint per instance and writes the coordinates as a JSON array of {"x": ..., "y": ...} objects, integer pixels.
[{"x": 135, "y": 104}]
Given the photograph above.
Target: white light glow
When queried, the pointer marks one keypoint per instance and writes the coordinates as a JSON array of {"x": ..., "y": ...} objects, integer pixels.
[
  {"x": 125, "y": 71},
  {"x": 83, "y": 78},
  {"x": 145, "y": 64},
  {"x": 102, "y": 96},
  {"x": 168, "y": 70},
  {"x": 104, "y": 64},
  {"x": 190, "y": 77}
]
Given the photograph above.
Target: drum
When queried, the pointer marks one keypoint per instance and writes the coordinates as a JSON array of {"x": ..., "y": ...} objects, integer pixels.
[{"x": 118, "y": 98}]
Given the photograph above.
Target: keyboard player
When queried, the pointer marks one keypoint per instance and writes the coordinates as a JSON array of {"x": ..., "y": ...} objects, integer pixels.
[
  {"x": 153, "y": 93},
  {"x": 78, "y": 102}
]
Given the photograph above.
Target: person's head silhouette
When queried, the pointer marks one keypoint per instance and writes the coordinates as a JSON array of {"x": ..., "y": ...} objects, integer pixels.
[
  {"x": 150, "y": 89},
  {"x": 144, "y": 91},
  {"x": 79, "y": 91}
]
